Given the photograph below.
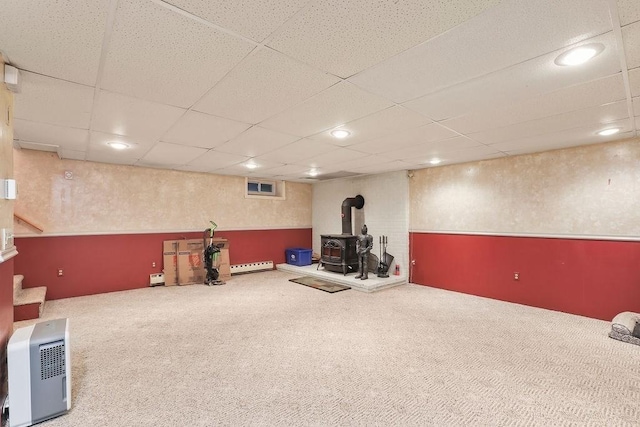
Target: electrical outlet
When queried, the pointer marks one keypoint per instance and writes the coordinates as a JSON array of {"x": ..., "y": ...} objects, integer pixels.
[
  {"x": 516, "y": 276},
  {"x": 153, "y": 264},
  {"x": 59, "y": 272},
  {"x": 413, "y": 262}
]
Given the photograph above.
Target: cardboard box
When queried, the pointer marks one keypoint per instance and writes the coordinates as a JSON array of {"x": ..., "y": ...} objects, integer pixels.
[
  {"x": 184, "y": 264},
  {"x": 170, "y": 262},
  {"x": 190, "y": 266}
]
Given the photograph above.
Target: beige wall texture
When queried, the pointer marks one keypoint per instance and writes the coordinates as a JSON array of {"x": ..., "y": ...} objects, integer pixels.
[
  {"x": 589, "y": 191},
  {"x": 6, "y": 147},
  {"x": 107, "y": 198}
]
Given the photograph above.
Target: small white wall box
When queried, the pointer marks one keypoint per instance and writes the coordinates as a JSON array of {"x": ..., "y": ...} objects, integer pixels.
[
  {"x": 12, "y": 78},
  {"x": 39, "y": 364},
  {"x": 156, "y": 279},
  {"x": 8, "y": 190},
  {"x": 6, "y": 239}
]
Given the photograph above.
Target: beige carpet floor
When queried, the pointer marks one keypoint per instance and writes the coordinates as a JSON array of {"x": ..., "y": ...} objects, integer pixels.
[{"x": 265, "y": 351}]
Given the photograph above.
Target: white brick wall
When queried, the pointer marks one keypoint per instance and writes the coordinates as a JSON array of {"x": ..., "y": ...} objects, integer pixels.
[{"x": 385, "y": 211}]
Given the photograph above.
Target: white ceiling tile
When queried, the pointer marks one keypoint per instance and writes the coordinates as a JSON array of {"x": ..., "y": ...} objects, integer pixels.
[
  {"x": 347, "y": 36},
  {"x": 381, "y": 123},
  {"x": 27, "y": 145},
  {"x": 289, "y": 170},
  {"x": 241, "y": 169},
  {"x": 253, "y": 19},
  {"x": 256, "y": 141},
  {"x": 563, "y": 139},
  {"x": 159, "y": 55},
  {"x": 333, "y": 107},
  {"x": 212, "y": 160},
  {"x": 629, "y": 11},
  {"x": 420, "y": 135},
  {"x": 469, "y": 154},
  {"x": 62, "y": 39},
  {"x": 526, "y": 79},
  {"x": 99, "y": 147},
  {"x": 481, "y": 66},
  {"x": 53, "y": 101},
  {"x": 203, "y": 130},
  {"x": 509, "y": 33},
  {"x": 72, "y": 154},
  {"x": 598, "y": 92},
  {"x": 394, "y": 165},
  {"x": 65, "y": 137},
  {"x": 299, "y": 150},
  {"x": 578, "y": 118},
  {"x": 424, "y": 152},
  {"x": 361, "y": 162},
  {"x": 263, "y": 85},
  {"x": 634, "y": 81},
  {"x": 124, "y": 115},
  {"x": 331, "y": 158},
  {"x": 631, "y": 40},
  {"x": 107, "y": 157},
  {"x": 164, "y": 153}
]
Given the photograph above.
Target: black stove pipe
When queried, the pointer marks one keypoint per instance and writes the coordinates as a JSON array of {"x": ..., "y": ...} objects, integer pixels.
[{"x": 358, "y": 203}]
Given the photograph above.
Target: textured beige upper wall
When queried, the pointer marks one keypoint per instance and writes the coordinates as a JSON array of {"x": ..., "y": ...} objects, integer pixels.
[
  {"x": 585, "y": 191},
  {"x": 106, "y": 198},
  {"x": 6, "y": 147}
]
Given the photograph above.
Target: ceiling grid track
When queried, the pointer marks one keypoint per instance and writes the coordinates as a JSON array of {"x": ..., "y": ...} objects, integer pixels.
[{"x": 617, "y": 31}]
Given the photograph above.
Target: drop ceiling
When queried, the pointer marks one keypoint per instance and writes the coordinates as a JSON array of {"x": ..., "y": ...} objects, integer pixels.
[{"x": 211, "y": 85}]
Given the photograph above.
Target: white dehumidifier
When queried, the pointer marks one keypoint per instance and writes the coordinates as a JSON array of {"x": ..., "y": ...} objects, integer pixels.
[{"x": 39, "y": 364}]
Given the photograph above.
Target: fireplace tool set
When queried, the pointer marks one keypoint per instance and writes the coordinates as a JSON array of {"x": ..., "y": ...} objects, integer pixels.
[{"x": 385, "y": 258}]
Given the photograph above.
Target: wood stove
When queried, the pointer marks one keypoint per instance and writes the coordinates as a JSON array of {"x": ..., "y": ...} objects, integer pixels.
[{"x": 338, "y": 251}]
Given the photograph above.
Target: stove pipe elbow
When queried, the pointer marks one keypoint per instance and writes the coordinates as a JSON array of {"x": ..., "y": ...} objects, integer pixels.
[{"x": 356, "y": 202}]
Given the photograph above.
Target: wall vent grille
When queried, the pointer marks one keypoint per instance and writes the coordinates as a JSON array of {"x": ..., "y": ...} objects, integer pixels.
[{"x": 52, "y": 361}]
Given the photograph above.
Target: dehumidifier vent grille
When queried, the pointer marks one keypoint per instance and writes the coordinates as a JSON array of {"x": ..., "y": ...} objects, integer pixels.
[{"x": 52, "y": 358}]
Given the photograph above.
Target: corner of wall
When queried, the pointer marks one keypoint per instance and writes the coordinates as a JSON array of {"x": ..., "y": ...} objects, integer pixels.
[{"x": 6, "y": 221}]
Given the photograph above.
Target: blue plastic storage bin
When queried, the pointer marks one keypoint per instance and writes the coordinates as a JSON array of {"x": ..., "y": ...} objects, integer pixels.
[{"x": 298, "y": 256}]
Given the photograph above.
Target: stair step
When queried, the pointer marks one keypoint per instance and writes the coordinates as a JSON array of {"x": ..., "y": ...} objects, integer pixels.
[
  {"x": 17, "y": 285},
  {"x": 28, "y": 303},
  {"x": 31, "y": 296}
]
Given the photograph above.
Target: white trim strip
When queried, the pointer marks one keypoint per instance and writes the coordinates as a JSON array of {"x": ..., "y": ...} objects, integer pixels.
[
  {"x": 108, "y": 233},
  {"x": 534, "y": 235},
  {"x": 7, "y": 254}
]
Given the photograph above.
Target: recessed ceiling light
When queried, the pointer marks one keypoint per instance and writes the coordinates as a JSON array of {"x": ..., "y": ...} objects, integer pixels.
[
  {"x": 340, "y": 133},
  {"x": 579, "y": 55},
  {"x": 118, "y": 145},
  {"x": 608, "y": 132},
  {"x": 313, "y": 172},
  {"x": 435, "y": 161},
  {"x": 250, "y": 165}
]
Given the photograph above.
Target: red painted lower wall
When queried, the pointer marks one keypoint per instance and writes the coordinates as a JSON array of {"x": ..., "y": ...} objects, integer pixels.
[
  {"x": 593, "y": 278},
  {"x": 26, "y": 312},
  {"x": 6, "y": 320},
  {"x": 107, "y": 263}
]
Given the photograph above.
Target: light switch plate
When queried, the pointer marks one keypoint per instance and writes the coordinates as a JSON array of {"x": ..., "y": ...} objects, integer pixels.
[{"x": 8, "y": 189}]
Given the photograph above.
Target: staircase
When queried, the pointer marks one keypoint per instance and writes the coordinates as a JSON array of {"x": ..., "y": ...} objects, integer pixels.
[{"x": 27, "y": 303}]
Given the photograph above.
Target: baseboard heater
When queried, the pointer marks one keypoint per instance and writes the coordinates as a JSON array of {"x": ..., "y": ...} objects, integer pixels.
[{"x": 251, "y": 267}]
